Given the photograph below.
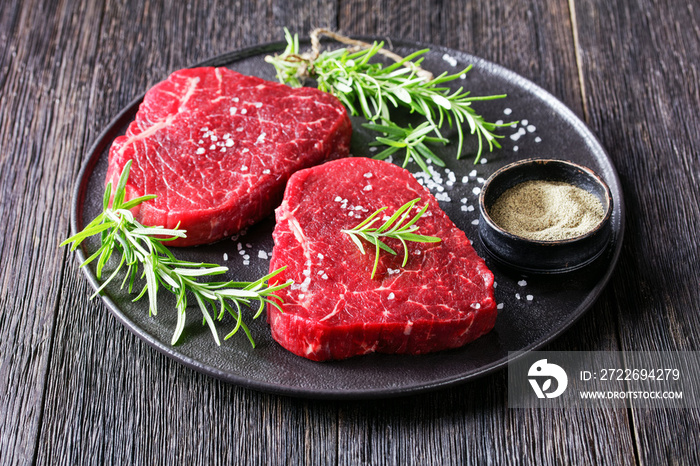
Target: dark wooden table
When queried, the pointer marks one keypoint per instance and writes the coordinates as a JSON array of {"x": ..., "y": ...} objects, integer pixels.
[{"x": 77, "y": 388}]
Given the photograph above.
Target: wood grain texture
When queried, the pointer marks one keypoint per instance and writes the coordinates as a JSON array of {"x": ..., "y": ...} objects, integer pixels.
[
  {"x": 77, "y": 388},
  {"x": 535, "y": 40},
  {"x": 640, "y": 66},
  {"x": 41, "y": 95}
]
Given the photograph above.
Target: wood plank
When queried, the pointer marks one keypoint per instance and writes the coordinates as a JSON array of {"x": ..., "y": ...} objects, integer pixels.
[
  {"x": 110, "y": 398},
  {"x": 41, "y": 95},
  {"x": 640, "y": 66},
  {"x": 472, "y": 424}
]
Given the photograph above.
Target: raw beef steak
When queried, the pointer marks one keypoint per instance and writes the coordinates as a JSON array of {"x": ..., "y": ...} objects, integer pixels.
[
  {"x": 217, "y": 148},
  {"x": 442, "y": 298}
]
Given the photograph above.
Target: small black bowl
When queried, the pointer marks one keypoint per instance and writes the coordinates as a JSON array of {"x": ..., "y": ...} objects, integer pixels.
[{"x": 535, "y": 256}]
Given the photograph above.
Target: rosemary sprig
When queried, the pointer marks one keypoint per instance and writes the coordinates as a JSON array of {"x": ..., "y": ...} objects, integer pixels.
[
  {"x": 411, "y": 139},
  {"x": 393, "y": 227},
  {"x": 143, "y": 246},
  {"x": 370, "y": 89}
]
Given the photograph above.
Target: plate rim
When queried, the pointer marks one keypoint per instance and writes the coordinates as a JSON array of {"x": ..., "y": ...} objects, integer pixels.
[{"x": 126, "y": 114}]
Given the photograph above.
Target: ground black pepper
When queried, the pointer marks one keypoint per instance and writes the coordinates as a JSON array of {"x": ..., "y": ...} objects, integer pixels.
[{"x": 547, "y": 210}]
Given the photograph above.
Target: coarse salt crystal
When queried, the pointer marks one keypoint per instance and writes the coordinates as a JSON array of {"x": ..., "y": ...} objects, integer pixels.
[
  {"x": 476, "y": 191},
  {"x": 258, "y": 104},
  {"x": 229, "y": 142},
  {"x": 391, "y": 296},
  {"x": 212, "y": 147},
  {"x": 262, "y": 254},
  {"x": 529, "y": 297},
  {"x": 538, "y": 139},
  {"x": 266, "y": 171},
  {"x": 472, "y": 173},
  {"x": 200, "y": 150},
  {"x": 449, "y": 59},
  {"x": 522, "y": 282},
  {"x": 531, "y": 128},
  {"x": 367, "y": 188},
  {"x": 499, "y": 306},
  {"x": 225, "y": 256},
  {"x": 475, "y": 222},
  {"x": 244, "y": 111},
  {"x": 368, "y": 175},
  {"x": 507, "y": 111}
]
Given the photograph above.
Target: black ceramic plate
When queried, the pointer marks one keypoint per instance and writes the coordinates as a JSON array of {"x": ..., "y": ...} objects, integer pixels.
[{"x": 534, "y": 310}]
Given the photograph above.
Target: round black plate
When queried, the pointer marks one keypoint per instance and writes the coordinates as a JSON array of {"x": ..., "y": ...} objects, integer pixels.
[{"x": 534, "y": 309}]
